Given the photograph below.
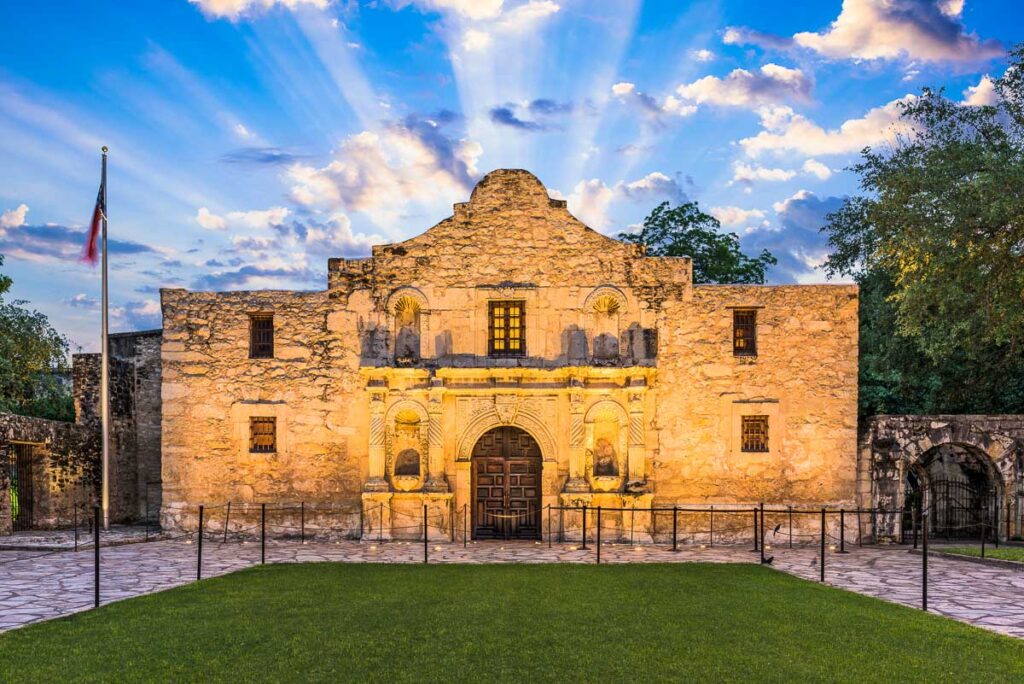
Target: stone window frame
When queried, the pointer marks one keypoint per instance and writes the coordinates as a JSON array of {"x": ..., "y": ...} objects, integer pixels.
[
  {"x": 242, "y": 411},
  {"x": 736, "y": 409},
  {"x": 261, "y": 349},
  {"x": 506, "y": 328},
  {"x": 744, "y": 344}
]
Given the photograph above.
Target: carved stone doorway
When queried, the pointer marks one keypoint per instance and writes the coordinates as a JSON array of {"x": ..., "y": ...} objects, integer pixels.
[{"x": 506, "y": 485}]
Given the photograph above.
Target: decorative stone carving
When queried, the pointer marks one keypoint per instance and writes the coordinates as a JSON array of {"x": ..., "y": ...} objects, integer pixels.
[{"x": 506, "y": 405}]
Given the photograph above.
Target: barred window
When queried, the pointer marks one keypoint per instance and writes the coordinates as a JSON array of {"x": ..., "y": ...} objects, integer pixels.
[
  {"x": 744, "y": 332},
  {"x": 507, "y": 335},
  {"x": 261, "y": 336},
  {"x": 755, "y": 433},
  {"x": 262, "y": 435}
]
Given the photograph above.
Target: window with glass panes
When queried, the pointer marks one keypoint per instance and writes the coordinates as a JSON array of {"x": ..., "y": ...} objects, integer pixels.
[
  {"x": 755, "y": 433},
  {"x": 507, "y": 335},
  {"x": 744, "y": 332},
  {"x": 262, "y": 434}
]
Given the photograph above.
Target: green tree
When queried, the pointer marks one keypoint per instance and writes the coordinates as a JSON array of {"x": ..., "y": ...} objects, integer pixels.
[
  {"x": 33, "y": 362},
  {"x": 936, "y": 242},
  {"x": 687, "y": 231}
]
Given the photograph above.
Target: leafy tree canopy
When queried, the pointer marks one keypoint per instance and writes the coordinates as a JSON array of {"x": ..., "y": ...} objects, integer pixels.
[
  {"x": 687, "y": 231},
  {"x": 936, "y": 241},
  {"x": 33, "y": 362}
]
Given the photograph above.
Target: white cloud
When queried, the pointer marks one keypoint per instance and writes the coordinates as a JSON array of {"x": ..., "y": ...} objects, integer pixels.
[
  {"x": 788, "y": 131},
  {"x": 982, "y": 94},
  {"x": 380, "y": 173},
  {"x": 470, "y": 9},
  {"x": 785, "y": 205},
  {"x": 816, "y": 168},
  {"x": 703, "y": 55},
  {"x": 928, "y": 30},
  {"x": 741, "y": 88},
  {"x": 747, "y": 174},
  {"x": 590, "y": 199},
  {"x": 475, "y": 40},
  {"x": 627, "y": 93},
  {"x": 481, "y": 21},
  {"x": 254, "y": 219},
  {"x": 735, "y": 216},
  {"x": 233, "y": 9},
  {"x": 242, "y": 132},
  {"x": 13, "y": 218}
]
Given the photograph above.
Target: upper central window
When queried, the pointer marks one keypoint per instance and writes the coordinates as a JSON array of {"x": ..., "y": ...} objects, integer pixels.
[{"x": 507, "y": 329}]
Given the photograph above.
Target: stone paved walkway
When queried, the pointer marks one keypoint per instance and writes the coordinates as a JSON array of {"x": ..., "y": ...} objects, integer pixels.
[
  {"x": 36, "y": 586},
  {"x": 52, "y": 540}
]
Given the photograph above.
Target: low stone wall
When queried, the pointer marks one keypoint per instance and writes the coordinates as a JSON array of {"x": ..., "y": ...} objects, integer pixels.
[{"x": 64, "y": 467}]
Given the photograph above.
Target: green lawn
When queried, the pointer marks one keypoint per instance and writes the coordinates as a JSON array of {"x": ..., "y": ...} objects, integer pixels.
[
  {"x": 524, "y": 623},
  {"x": 1011, "y": 553}
]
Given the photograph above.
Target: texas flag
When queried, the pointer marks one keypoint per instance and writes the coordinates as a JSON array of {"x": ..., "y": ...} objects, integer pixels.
[{"x": 91, "y": 253}]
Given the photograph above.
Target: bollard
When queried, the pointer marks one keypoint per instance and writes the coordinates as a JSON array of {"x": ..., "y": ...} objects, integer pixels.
[
  {"x": 426, "y": 543},
  {"x": 465, "y": 525},
  {"x": 96, "y": 556},
  {"x": 755, "y": 549},
  {"x": 199, "y": 546},
  {"x": 584, "y": 527},
  {"x": 711, "y": 538},
  {"x": 263, "y": 533},
  {"x": 822, "y": 544},
  {"x": 675, "y": 527},
  {"x": 761, "y": 538},
  {"x": 842, "y": 530},
  {"x": 227, "y": 520},
  {"x": 924, "y": 561},
  {"x": 302, "y": 523},
  {"x": 598, "y": 535}
]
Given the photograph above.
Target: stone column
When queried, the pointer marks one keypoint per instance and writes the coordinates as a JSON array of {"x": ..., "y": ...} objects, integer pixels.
[
  {"x": 577, "y": 477},
  {"x": 637, "y": 433},
  {"x": 436, "y": 480},
  {"x": 376, "y": 482}
]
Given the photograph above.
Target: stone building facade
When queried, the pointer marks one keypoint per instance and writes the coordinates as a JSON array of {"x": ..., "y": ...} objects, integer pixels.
[
  {"x": 49, "y": 467},
  {"x": 506, "y": 360}
]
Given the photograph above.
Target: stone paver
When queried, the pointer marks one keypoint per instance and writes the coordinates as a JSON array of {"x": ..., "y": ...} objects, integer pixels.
[
  {"x": 68, "y": 539},
  {"x": 36, "y": 586}
]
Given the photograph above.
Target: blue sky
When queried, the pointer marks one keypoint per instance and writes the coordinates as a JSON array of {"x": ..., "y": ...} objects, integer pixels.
[{"x": 252, "y": 139}]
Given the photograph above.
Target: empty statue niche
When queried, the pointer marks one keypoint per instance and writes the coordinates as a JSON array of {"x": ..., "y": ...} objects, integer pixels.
[
  {"x": 407, "y": 451},
  {"x": 604, "y": 312},
  {"x": 408, "y": 314}
]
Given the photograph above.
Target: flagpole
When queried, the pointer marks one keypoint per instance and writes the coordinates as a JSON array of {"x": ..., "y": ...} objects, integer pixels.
[{"x": 105, "y": 362}]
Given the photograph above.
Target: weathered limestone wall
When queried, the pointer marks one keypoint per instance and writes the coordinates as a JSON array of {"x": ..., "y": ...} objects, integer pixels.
[
  {"x": 619, "y": 346},
  {"x": 64, "y": 461},
  {"x": 211, "y": 387},
  {"x": 804, "y": 378}
]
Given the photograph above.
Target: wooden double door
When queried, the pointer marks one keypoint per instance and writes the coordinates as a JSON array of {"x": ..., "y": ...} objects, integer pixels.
[{"x": 506, "y": 485}]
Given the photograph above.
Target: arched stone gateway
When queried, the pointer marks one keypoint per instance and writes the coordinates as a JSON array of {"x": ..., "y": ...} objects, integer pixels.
[
  {"x": 964, "y": 471},
  {"x": 506, "y": 476}
]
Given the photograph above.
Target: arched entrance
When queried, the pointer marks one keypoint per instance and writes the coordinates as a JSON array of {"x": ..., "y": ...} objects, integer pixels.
[
  {"x": 959, "y": 487},
  {"x": 506, "y": 485}
]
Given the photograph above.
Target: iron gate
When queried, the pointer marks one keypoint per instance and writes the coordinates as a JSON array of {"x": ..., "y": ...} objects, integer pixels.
[
  {"x": 21, "y": 486},
  {"x": 958, "y": 509}
]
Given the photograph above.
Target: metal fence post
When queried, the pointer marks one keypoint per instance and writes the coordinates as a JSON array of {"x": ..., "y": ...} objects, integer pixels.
[
  {"x": 755, "y": 549},
  {"x": 842, "y": 530},
  {"x": 75, "y": 513},
  {"x": 426, "y": 543},
  {"x": 263, "y": 533},
  {"x": 302, "y": 523},
  {"x": 711, "y": 537},
  {"x": 822, "y": 544},
  {"x": 790, "y": 526},
  {"x": 924, "y": 561},
  {"x": 632, "y": 516},
  {"x": 915, "y": 514},
  {"x": 96, "y": 555},
  {"x": 199, "y": 546},
  {"x": 549, "y": 526},
  {"x": 598, "y": 535},
  {"x": 227, "y": 520},
  {"x": 675, "y": 527},
  {"x": 983, "y": 535},
  {"x": 584, "y": 526},
  {"x": 761, "y": 537},
  {"x": 465, "y": 526},
  {"x": 380, "y": 525}
]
